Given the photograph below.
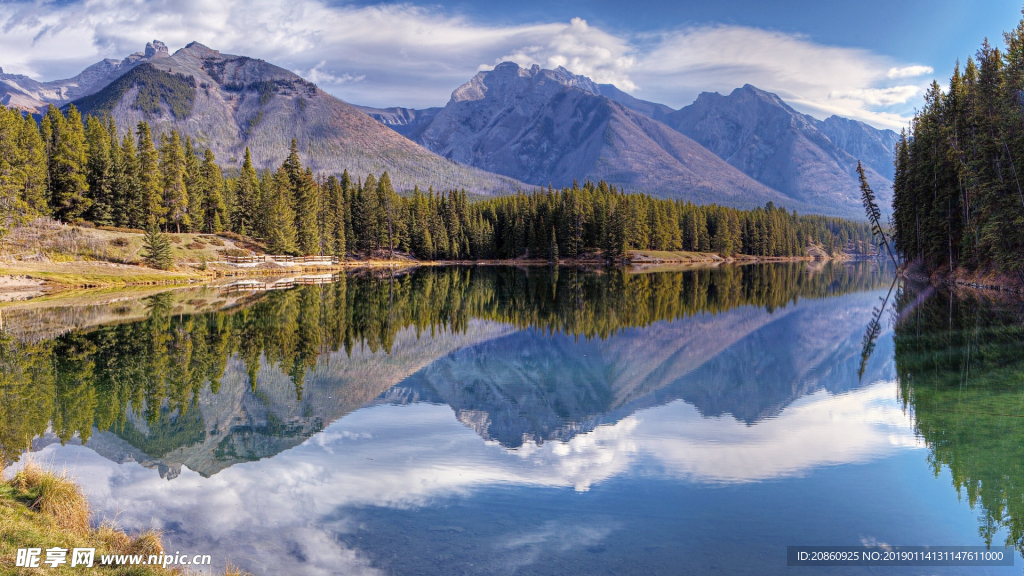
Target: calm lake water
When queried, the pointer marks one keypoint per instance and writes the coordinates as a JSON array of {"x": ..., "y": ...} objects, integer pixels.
[{"x": 534, "y": 421}]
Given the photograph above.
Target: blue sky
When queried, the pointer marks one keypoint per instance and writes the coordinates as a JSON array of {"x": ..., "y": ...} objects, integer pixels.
[{"x": 868, "y": 60}]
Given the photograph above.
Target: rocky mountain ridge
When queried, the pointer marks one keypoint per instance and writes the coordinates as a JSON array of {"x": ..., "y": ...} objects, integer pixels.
[
  {"x": 505, "y": 129},
  {"x": 796, "y": 154},
  {"x": 22, "y": 92},
  {"x": 228, "y": 102},
  {"x": 513, "y": 121},
  {"x": 552, "y": 127}
]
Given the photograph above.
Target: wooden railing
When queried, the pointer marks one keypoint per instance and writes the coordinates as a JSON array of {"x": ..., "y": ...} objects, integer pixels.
[
  {"x": 282, "y": 258},
  {"x": 245, "y": 259},
  {"x": 284, "y": 284}
]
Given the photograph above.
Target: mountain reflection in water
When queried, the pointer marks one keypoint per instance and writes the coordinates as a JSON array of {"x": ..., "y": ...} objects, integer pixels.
[
  {"x": 431, "y": 422},
  {"x": 213, "y": 388}
]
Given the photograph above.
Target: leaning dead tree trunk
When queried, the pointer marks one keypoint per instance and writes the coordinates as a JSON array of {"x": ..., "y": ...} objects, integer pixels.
[{"x": 867, "y": 196}]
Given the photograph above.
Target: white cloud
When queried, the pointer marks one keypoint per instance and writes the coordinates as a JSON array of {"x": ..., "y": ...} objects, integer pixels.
[
  {"x": 584, "y": 50},
  {"x": 879, "y": 96},
  {"x": 404, "y": 457},
  {"x": 909, "y": 72},
  {"x": 806, "y": 74},
  {"x": 319, "y": 75},
  {"x": 399, "y": 54}
]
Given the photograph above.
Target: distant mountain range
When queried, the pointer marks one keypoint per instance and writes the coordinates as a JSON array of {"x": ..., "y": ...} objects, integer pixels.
[
  {"x": 227, "y": 102},
  {"x": 505, "y": 129},
  {"x": 552, "y": 126}
]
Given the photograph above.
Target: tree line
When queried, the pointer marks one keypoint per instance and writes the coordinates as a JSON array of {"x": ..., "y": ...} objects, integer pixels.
[
  {"x": 959, "y": 183},
  {"x": 959, "y": 365},
  {"x": 75, "y": 170},
  {"x": 155, "y": 367}
]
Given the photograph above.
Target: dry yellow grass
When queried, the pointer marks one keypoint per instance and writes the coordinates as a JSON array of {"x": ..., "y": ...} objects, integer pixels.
[
  {"x": 44, "y": 509},
  {"x": 56, "y": 496},
  {"x": 84, "y": 256}
]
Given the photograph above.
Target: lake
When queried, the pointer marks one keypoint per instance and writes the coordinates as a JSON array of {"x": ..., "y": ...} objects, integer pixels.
[{"x": 500, "y": 420}]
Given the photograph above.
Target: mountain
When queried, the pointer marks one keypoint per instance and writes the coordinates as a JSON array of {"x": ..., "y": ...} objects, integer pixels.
[
  {"x": 406, "y": 121},
  {"x": 18, "y": 91},
  {"x": 228, "y": 102},
  {"x": 649, "y": 109},
  {"x": 873, "y": 147},
  {"x": 531, "y": 386},
  {"x": 804, "y": 158},
  {"x": 554, "y": 127}
]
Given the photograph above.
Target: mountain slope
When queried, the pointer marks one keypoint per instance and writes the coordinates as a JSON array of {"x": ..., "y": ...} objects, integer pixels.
[
  {"x": 553, "y": 127},
  {"x": 871, "y": 146},
  {"x": 18, "y": 91},
  {"x": 649, "y": 109},
  {"x": 406, "y": 121},
  {"x": 228, "y": 102},
  {"x": 759, "y": 134}
]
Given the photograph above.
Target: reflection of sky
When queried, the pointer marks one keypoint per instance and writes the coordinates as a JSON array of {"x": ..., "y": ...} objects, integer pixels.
[
  {"x": 275, "y": 511},
  {"x": 718, "y": 452}
]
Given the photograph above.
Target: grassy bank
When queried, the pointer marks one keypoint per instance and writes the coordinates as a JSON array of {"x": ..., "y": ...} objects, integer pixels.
[
  {"x": 43, "y": 509},
  {"x": 45, "y": 257}
]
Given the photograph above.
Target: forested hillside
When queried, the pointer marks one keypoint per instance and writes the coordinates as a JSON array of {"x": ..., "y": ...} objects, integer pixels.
[
  {"x": 83, "y": 171},
  {"x": 958, "y": 190}
]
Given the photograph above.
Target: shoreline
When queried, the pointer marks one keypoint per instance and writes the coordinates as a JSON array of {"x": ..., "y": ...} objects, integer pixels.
[
  {"x": 34, "y": 279},
  {"x": 988, "y": 280}
]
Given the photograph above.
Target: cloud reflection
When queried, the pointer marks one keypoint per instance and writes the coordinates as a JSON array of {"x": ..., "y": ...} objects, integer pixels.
[{"x": 292, "y": 508}]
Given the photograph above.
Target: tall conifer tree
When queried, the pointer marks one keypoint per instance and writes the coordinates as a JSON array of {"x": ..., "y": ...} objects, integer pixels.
[
  {"x": 68, "y": 186},
  {"x": 174, "y": 171},
  {"x": 150, "y": 205}
]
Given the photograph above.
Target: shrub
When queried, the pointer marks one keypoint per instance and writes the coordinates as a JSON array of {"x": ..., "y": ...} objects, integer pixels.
[
  {"x": 120, "y": 241},
  {"x": 156, "y": 250}
]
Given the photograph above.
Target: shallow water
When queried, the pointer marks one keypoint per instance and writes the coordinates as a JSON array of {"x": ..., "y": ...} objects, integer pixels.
[{"x": 504, "y": 421}]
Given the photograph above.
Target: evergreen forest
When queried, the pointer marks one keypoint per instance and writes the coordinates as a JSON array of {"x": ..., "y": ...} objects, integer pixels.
[
  {"x": 959, "y": 183},
  {"x": 90, "y": 170}
]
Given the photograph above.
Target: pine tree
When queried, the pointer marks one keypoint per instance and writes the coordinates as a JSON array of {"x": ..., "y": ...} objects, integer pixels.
[
  {"x": 173, "y": 172},
  {"x": 386, "y": 198},
  {"x": 211, "y": 183},
  {"x": 125, "y": 183},
  {"x": 366, "y": 216},
  {"x": 150, "y": 181},
  {"x": 13, "y": 209},
  {"x": 156, "y": 248},
  {"x": 305, "y": 196},
  {"x": 68, "y": 186},
  {"x": 247, "y": 198},
  {"x": 280, "y": 217},
  {"x": 337, "y": 205},
  {"x": 99, "y": 172},
  {"x": 293, "y": 165},
  {"x": 874, "y": 214},
  {"x": 195, "y": 188},
  {"x": 33, "y": 153}
]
